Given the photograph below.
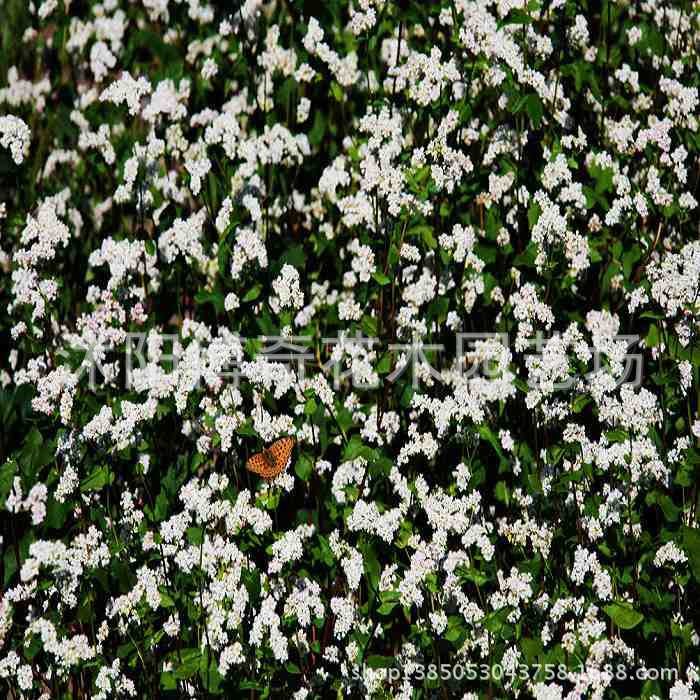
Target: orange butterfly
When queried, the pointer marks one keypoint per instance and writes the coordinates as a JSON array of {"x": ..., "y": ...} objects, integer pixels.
[{"x": 272, "y": 460}]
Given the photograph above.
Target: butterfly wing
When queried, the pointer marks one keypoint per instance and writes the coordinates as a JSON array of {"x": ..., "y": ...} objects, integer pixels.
[
  {"x": 278, "y": 454},
  {"x": 271, "y": 462},
  {"x": 259, "y": 463},
  {"x": 281, "y": 451}
]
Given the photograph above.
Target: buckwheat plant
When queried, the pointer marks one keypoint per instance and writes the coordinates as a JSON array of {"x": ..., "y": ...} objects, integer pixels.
[{"x": 451, "y": 248}]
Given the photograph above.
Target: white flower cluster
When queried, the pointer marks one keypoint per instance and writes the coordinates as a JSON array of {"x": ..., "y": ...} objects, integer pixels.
[{"x": 15, "y": 136}]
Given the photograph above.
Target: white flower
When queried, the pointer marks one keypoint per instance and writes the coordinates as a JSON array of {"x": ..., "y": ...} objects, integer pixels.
[
  {"x": 184, "y": 238},
  {"x": 127, "y": 90},
  {"x": 15, "y": 135},
  {"x": 209, "y": 69},
  {"x": 288, "y": 294},
  {"x": 669, "y": 554},
  {"x": 171, "y": 627}
]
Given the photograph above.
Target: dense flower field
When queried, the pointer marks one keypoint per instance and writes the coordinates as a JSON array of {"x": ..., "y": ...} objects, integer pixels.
[{"x": 443, "y": 257}]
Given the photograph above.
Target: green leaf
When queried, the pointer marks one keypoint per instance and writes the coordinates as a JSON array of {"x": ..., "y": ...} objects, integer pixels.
[
  {"x": 293, "y": 256},
  {"x": 453, "y": 634},
  {"x": 670, "y": 509},
  {"x": 406, "y": 396},
  {"x": 386, "y": 608},
  {"x": 580, "y": 402},
  {"x": 384, "y": 364},
  {"x": 303, "y": 468},
  {"x": 337, "y": 91},
  {"x": 533, "y": 215},
  {"x": 209, "y": 675},
  {"x": 516, "y": 16},
  {"x": 376, "y": 661},
  {"x": 191, "y": 659},
  {"x": 216, "y": 299},
  {"x": 318, "y": 130},
  {"x": 372, "y": 569},
  {"x": 501, "y": 492},
  {"x": 652, "y": 338},
  {"x": 426, "y": 233},
  {"x": 249, "y": 685},
  {"x": 251, "y": 580},
  {"x": 344, "y": 418},
  {"x": 490, "y": 437},
  {"x": 471, "y": 574},
  {"x": 369, "y": 326},
  {"x": 97, "y": 480},
  {"x": 56, "y": 514},
  {"x": 532, "y": 649},
  {"x": 629, "y": 259},
  {"x": 253, "y": 293},
  {"x": 691, "y": 546},
  {"x": 35, "y": 454},
  {"x": 195, "y": 536},
  {"x": 354, "y": 448},
  {"x": 623, "y": 615},
  {"x": 7, "y": 476},
  {"x": 534, "y": 109},
  {"x": 381, "y": 278},
  {"x": 617, "y": 436}
]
